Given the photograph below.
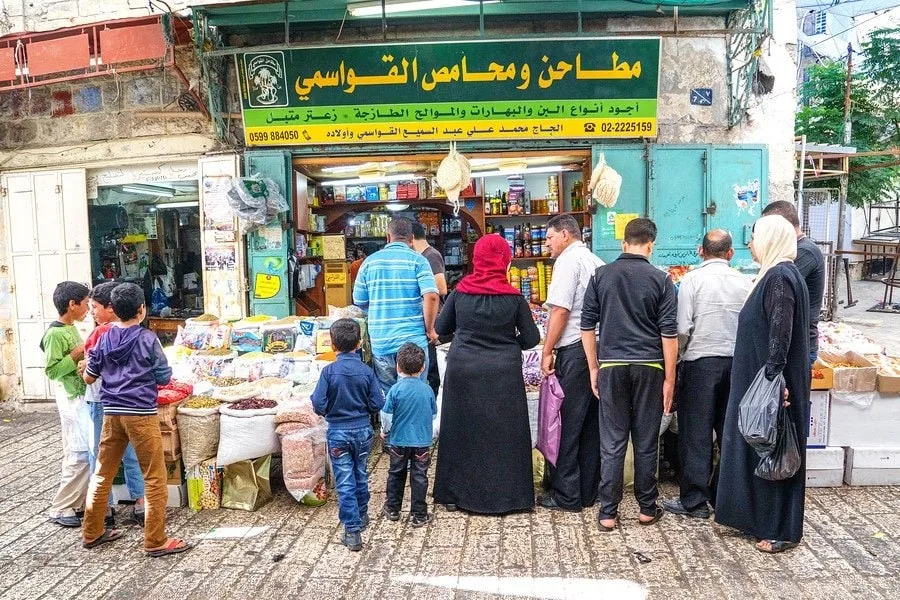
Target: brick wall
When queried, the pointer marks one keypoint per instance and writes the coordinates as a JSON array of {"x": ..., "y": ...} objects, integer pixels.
[{"x": 101, "y": 108}]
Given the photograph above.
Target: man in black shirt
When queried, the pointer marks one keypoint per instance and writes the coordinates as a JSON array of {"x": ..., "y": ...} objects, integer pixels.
[
  {"x": 436, "y": 261},
  {"x": 632, "y": 367},
  {"x": 811, "y": 265}
]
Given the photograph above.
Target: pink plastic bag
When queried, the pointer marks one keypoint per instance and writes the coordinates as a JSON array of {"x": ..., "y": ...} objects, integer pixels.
[{"x": 549, "y": 420}]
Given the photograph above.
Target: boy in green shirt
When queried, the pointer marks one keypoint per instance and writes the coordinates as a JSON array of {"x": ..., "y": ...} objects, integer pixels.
[{"x": 63, "y": 353}]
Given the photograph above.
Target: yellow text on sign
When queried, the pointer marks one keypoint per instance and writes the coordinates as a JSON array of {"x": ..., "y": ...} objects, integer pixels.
[
  {"x": 521, "y": 129},
  {"x": 622, "y": 219},
  {"x": 266, "y": 286}
]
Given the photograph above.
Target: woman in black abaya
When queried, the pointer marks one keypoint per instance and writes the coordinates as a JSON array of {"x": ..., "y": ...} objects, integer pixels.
[
  {"x": 772, "y": 333},
  {"x": 484, "y": 451}
]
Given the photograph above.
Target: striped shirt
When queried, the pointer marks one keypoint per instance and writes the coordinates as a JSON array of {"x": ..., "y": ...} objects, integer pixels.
[{"x": 390, "y": 286}]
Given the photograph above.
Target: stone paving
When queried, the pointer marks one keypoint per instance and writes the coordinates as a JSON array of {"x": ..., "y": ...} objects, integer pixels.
[{"x": 851, "y": 549}]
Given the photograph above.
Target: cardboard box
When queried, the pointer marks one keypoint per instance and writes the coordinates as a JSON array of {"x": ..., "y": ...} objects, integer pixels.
[
  {"x": 171, "y": 444},
  {"x": 888, "y": 383},
  {"x": 175, "y": 471},
  {"x": 177, "y": 496},
  {"x": 860, "y": 378},
  {"x": 818, "y": 419},
  {"x": 872, "y": 466},
  {"x": 875, "y": 426},
  {"x": 822, "y": 377}
]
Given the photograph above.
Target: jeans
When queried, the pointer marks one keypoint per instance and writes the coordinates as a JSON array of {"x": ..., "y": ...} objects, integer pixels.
[
  {"x": 133, "y": 478},
  {"x": 144, "y": 435},
  {"x": 386, "y": 370},
  {"x": 349, "y": 453},
  {"x": 417, "y": 461},
  {"x": 631, "y": 403},
  {"x": 702, "y": 395},
  {"x": 575, "y": 479}
]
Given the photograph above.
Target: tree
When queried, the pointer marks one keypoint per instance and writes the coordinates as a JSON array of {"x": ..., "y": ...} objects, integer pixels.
[{"x": 874, "y": 113}]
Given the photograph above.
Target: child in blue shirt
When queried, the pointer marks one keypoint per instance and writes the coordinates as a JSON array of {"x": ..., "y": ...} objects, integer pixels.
[
  {"x": 407, "y": 423},
  {"x": 347, "y": 395}
]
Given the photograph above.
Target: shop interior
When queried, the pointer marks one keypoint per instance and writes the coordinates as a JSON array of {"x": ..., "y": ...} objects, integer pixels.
[
  {"x": 513, "y": 194},
  {"x": 149, "y": 234}
]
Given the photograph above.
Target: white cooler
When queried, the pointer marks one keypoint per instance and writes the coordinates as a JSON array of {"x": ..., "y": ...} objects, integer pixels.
[
  {"x": 872, "y": 466},
  {"x": 824, "y": 467}
]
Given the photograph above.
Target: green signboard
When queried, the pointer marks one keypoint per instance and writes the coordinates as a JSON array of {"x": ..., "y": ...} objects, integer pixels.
[{"x": 516, "y": 89}]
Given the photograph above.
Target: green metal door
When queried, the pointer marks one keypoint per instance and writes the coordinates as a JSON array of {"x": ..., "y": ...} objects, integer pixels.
[
  {"x": 268, "y": 247},
  {"x": 629, "y": 161},
  {"x": 739, "y": 185},
  {"x": 677, "y": 199}
]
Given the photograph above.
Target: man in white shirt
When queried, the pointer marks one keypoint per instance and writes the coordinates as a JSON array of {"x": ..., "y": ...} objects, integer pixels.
[
  {"x": 710, "y": 298},
  {"x": 575, "y": 480}
]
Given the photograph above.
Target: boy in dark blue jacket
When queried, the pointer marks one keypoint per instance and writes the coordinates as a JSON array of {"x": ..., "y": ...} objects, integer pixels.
[
  {"x": 347, "y": 395},
  {"x": 131, "y": 363},
  {"x": 408, "y": 422}
]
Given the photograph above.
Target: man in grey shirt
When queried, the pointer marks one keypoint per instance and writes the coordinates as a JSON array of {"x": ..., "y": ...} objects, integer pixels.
[{"x": 710, "y": 298}]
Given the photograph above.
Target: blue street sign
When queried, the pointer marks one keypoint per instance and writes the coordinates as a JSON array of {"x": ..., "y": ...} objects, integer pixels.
[{"x": 701, "y": 96}]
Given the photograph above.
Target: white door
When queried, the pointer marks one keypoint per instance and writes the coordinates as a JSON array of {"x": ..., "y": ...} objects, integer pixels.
[{"x": 49, "y": 242}]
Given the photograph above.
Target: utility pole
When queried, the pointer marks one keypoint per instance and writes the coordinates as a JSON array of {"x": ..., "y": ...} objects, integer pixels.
[{"x": 844, "y": 183}]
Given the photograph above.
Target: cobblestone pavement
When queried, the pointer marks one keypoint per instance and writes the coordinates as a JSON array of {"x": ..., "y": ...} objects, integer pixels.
[{"x": 851, "y": 549}]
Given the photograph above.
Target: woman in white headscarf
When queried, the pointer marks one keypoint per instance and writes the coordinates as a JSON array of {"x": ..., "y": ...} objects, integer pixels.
[{"x": 772, "y": 333}]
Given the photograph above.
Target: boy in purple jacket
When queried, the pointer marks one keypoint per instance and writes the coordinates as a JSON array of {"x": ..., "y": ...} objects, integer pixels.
[{"x": 131, "y": 362}]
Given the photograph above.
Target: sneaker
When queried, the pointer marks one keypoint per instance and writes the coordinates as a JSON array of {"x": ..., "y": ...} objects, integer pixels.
[
  {"x": 70, "y": 521},
  {"x": 421, "y": 521},
  {"x": 677, "y": 508},
  {"x": 353, "y": 541},
  {"x": 364, "y": 522},
  {"x": 391, "y": 515}
]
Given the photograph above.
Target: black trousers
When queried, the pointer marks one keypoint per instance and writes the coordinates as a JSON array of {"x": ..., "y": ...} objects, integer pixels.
[
  {"x": 630, "y": 404},
  {"x": 434, "y": 375},
  {"x": 702, "y": 397},
  {"x": 575, "y": 479},
  {"x": 416, "y": 461}
]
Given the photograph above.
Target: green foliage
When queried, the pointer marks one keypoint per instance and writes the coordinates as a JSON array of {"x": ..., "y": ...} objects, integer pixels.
[{"x": 874, "y": 116}]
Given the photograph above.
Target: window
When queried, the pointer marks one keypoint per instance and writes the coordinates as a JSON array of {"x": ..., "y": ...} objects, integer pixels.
[{"x": 820, "y": 22}]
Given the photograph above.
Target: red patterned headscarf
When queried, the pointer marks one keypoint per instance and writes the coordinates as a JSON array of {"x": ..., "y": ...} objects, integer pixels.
[{"x": 491, "y": 260}]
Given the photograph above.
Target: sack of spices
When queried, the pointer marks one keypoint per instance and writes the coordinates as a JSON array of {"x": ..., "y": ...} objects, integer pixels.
[
  {"x": 167, "y": 414},
  {"x": 198, "y": 426},
  {"x": 212, "y": 362},
  {"x": 304, "y": 463},
  {"x": 204, "y": 486},
  {"x": 246, "y": 485},
  {"x": 247, "y": 433}
]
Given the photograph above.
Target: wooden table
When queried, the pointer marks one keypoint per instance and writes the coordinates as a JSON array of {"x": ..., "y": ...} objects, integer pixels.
[{"x": 165, "y": 328}]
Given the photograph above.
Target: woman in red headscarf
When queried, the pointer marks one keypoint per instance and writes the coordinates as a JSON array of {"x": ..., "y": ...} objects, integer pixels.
[{"x": 484, "y": 461}]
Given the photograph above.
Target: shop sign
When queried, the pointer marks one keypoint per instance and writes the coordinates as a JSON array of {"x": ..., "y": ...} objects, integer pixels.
[{"x": 515, "y": 89}]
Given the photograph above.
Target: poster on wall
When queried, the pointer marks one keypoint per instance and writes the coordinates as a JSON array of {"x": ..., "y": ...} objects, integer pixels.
[
  {"x": 471, "y": 90},
  {"x": 217, "y": 214},
  {"x": 220, "y": 258}
]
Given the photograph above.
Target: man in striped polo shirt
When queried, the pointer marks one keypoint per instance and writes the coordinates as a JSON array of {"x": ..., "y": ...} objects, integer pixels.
[{"x": 396, "y": 287}]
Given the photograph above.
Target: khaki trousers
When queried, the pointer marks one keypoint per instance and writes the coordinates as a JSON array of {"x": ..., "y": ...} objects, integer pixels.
[{"x": 144, "y": 435}]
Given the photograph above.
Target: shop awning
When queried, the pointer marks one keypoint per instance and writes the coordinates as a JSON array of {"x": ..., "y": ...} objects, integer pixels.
[{"x": 313, "y": 11}]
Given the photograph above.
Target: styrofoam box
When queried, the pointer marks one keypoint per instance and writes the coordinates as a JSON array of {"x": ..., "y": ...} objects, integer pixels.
[
  {"x": 818, "y": 419},
  {"x": 877, "y": 426},
  {"x": 872, "y": 466},
  {"x": 120, "y": 494},
  {"x": 824, "y": 467},
  {"x": 177, "y": 495}
]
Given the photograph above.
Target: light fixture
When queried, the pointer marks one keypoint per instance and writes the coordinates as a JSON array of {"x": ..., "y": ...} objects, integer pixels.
[
  {"x": 355, "y": 168},
  {"x": 148, "y": 190},
  {"x": 386, "y": 179},
  {"x": 373, "y": 9},
  {"x": 396, "y": 207},
  {"x": 162, "y": 205},
  {"x": 552, "y": 169}
]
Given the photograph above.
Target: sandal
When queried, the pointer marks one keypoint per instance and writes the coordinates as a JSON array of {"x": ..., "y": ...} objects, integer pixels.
[
  {"x": 656, "y": 517},
  {"x": 173, "y": 546},
  {"x": 109, "y": 535},
  {"x": 604, "y": 528},
  {"x": 775, "y": 546}
]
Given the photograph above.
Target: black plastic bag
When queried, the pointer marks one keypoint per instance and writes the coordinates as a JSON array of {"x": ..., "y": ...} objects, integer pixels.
[
  {"x": 758, "y": 412},
  {"x": 784, "y": 461}
]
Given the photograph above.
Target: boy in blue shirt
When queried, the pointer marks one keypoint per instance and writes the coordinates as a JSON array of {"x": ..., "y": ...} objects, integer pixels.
[
  {"x": 412, "y": 404},
  {"x": 347, "y": 395}
]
